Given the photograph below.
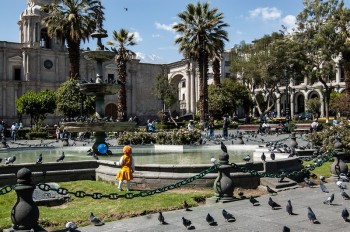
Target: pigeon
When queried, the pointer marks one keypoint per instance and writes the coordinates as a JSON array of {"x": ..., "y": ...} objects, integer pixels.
[
  {"x": 271, "y": 191},
  {"x": 289, "y": 208},
  {"x": 228, "y": 216},
  {"x": 285, "y": 229},
  {"x": 94, "y": 220},
  {"x": 187, "y": 223},
  {"x": 61, "y": 158},
  {"x": 329, "y": 200},
  {"x": 343, "y": 177},
  {"x": 210, "y": 220},
  {"x": 309, "y": 182},
  {"x": 223, "y": 147},
  {"x": 253, "y": 201},
  {"x": 323, "y": 187},
  {"x": 10, "y": 160},
  {"x": 272, "y": 156},
  {"x": 313, "y": 175},
  {"x": 273, "y": 204},
  {"x": 39, "y": 160},
  {"x": 71, "y": 226},
  {"x": 341, "y": 185},
  {"x": 345, "y": 214},
  {"x": 263, "y": 157},
  {"x": 247, "y": 158},
  {"x": 186, "y": 206},
  {"x": 344, "y": 195},
  {"x": 161, "y": 218},
  {"x": 311, "y": 215}
]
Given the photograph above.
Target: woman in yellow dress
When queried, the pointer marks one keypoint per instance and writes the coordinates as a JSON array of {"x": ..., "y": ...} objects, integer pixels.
[{"x": 127, "y": 168}]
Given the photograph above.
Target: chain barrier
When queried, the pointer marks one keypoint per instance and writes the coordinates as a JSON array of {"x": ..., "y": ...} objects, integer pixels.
[
  {"x": 114, "y": 196},
  {"x": 283, "y": 174}
]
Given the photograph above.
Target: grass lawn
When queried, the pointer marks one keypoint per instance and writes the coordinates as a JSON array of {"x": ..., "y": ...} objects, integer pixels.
[
  {"x": 324, "y": 170},
  {"x": 77, "y": 210}
]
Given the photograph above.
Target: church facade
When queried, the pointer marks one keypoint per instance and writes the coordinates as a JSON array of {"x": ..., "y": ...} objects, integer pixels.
[{"x": 38, "y": 62}]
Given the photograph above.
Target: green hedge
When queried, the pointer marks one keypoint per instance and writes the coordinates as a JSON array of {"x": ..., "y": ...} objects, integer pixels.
[
  {"x": 36, "y": 135},
  {"x": 181, "y": 136}
]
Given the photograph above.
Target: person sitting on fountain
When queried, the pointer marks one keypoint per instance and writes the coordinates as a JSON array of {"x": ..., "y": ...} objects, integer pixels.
[
  {"x": 127, "y": 168},
  {"x": 99, "y": 79}
]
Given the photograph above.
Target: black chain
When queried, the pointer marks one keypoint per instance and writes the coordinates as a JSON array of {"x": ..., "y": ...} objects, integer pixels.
[
  {"x": 261, "y": 141},
  {"x": 304, "y": 171},
  {"x": 114, "y": 196}
]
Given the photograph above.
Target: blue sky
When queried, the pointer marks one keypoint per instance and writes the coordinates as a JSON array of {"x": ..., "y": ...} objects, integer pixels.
[{"x": 152, "y": 20}]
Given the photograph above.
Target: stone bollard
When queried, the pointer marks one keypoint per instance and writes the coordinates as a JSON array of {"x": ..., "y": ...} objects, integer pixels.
[
  {"x": 240, "y": 138},
  {"x": 339, "y": 166},
  {"x": 25, "y": 213},
  {"x": 223, "y": 184}
]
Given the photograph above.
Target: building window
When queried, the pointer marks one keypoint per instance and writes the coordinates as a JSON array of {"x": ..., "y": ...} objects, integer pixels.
[
  {"x": 227, "y": 63},
  {"x": 110, "y": 78},
  {"x": 183, "y": 96},
  {"x": 183, "y": 84},
  {"x": 227, "y": 75},
  {"x": 17, "y": 74}
]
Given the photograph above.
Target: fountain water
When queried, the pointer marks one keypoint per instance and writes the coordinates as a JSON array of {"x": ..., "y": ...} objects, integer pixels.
[{"x": 99, "y": 89}]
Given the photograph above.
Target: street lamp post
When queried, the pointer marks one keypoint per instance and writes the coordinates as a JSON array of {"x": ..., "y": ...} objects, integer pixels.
[{"x": 286, "y": 82}]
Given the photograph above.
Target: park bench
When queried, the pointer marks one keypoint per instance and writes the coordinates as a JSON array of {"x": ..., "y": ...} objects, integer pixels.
[
  {"x": 248, "y": 128},
  {"x": 302, "y": 128}
]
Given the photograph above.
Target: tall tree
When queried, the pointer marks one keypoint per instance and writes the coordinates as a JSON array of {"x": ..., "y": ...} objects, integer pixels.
[
  {"x": 123, "y": 39},
  {"x": 201, "y": 38},
  {"x": 320, "y": 31},
  {"x": 165, "y": 91},
  {"x": 37, "y": 105},
  {"x": 263, "y": 66},
  {"x": 72, "y": 21}
]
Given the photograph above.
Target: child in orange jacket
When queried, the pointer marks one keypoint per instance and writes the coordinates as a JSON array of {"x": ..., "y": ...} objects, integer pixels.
[{"x": 127, "y": 168}]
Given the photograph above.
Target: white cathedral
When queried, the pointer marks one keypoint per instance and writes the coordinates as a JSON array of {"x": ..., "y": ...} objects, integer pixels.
[{"x": 38, "y": 62}]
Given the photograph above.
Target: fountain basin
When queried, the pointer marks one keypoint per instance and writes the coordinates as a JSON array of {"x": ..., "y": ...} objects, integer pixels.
[
  {"x": 93, "y": 89},
  {"x": 145, "y": 176},
  {"x": 98, "y": 126},
  {"x": 99, "y": 56}
]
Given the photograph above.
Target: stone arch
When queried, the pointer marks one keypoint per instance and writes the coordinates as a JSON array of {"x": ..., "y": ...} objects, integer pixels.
[
  {"x": 299, "y": 103},
  {"x": 111, "y": 110},
  {"x": 179, "y": 81}
]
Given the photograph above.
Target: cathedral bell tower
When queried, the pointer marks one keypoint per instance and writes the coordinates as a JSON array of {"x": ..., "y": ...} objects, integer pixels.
[{"x": 33, "y": 34}]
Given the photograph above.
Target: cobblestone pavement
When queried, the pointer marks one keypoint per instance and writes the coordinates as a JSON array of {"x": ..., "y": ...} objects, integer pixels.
[{"x": 248, "y": 217}]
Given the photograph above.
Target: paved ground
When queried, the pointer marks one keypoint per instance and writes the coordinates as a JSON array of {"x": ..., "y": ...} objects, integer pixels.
[{"x": 249, "y": 218}]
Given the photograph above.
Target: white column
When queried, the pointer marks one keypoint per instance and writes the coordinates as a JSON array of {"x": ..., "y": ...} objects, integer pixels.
[
  {"x": 193, "y": 89},
  {"x": 292, "y": 105},
  {"x": 188, "y": 92},
  {"x": 322, "y": 107},
  {"x": 278, "y": 106}
]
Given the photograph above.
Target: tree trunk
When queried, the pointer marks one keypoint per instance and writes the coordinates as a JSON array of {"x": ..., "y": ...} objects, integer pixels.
[
  {"x": 74, "y": 58},
  {"x": 121, "y": 106},
  {"x": 216, "y": 71}
]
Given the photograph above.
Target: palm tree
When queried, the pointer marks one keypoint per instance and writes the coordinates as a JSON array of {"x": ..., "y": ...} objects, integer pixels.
[
  {"x": 72, "y": 21},
  {"x": 201, "y": 38},
  {"x": 123, "y": 39}
]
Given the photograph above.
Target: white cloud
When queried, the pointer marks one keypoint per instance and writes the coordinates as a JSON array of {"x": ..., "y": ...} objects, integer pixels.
[
  {"x": 266, "y": 13},
  {"x": 239, "y": 33},
  {"x": 137, "y": 36},
  {"x": 289, "y": 22},
  {"x": 155, "y": 35},
  {"x": 151, "y": 59},
  {"x": 166, "y": 27}
]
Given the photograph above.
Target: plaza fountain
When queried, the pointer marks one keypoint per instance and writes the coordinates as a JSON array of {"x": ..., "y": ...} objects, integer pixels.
[{"x": 99, "y": 89}]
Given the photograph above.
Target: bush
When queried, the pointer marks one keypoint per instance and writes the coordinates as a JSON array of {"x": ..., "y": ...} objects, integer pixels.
[
  {"x": 326, "y": 137},
  {"x": 182, "y": 136},
  {"x": 22, "y": 133}
]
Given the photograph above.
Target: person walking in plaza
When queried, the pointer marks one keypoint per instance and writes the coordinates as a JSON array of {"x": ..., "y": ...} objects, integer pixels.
[
  {"x": 13, "y": 132},
  {"x": 211, "y": 127},
  {"x": 58, "y": 132},
  {"x": 127, "y": 168},
  {"x": 225, "y": 123}
]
